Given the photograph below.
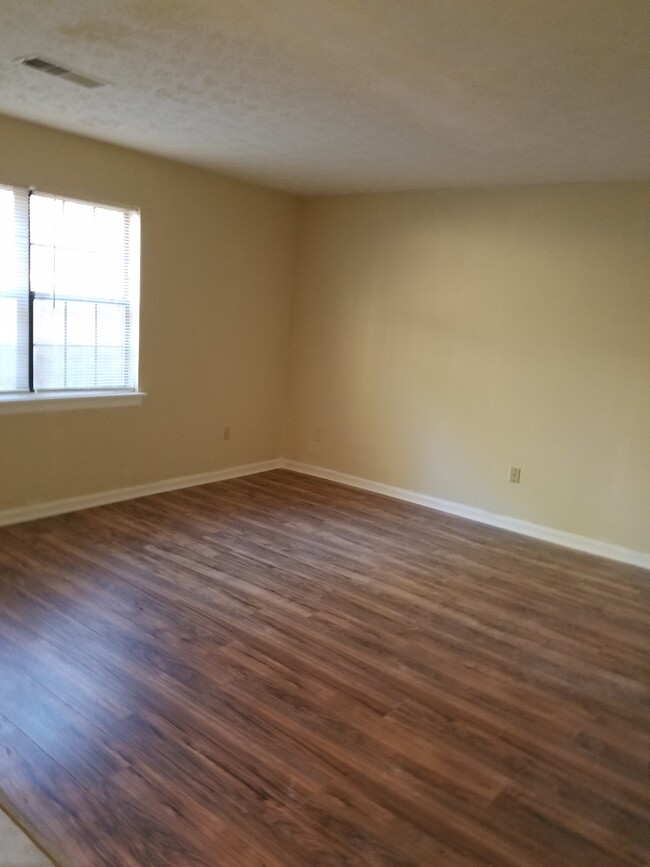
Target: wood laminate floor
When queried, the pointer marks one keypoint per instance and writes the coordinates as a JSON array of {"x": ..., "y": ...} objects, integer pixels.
[{"x": 279, "y": 670}]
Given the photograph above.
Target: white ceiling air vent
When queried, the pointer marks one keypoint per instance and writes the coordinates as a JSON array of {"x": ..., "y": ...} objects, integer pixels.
[{"x": 42, "y": 65}]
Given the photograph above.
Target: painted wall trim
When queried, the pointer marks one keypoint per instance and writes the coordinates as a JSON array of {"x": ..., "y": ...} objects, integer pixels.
[
  {"x": 103, "y": 498},
  {"x": 514, "y": 525}
]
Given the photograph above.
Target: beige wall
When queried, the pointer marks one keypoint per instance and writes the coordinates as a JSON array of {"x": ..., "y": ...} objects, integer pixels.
[
  {"x": 217, "y": 268},
  {"x": 439, "y": 338}
]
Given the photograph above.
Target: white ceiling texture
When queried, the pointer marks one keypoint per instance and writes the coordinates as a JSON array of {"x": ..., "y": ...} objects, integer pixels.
[{"x": 317, "y": 96}]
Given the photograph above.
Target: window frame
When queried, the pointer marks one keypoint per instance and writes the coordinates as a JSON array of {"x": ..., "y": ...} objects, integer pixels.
[{"x": 43, "y": 399}]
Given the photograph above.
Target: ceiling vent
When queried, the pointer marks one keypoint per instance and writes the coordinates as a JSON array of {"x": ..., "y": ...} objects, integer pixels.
[{"x": 46, "y": 66}]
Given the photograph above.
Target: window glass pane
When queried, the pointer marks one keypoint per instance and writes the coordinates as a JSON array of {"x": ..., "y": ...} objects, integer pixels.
[
  {"x": 49, "y": 322},
  {"x": 80, "y": 367},
  {"x": 8, "y": 343},
  {"x": 75, "y": 225},
  {"x": 111, "y": 325},
  {"x": 79, "y": 273},
  {"x": 85, "y": 257},
  {"x": 113, "y": 283},
  {"x": 81, "y": 262},
  {"x": 73, "y": 271},
  {"x": 8, "y": 367},
  {"x": 41, "y": 270},
  {"x": 7, "y": 241},
  {"x": 109, "y": 231},
  {"x": 49, "y": 366},
  {"x": 8, "y": 324},
  {"x": 41, "y": 220},
  {"x": 110, "y": 367},
  {"x": 14, "y": 289},
  {"x": 80, "y": 323}
]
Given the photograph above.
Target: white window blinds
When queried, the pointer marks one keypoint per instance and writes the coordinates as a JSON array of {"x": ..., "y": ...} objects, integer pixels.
[
  {"x": 14, "y": 290},
  {"x": 76, "y": 322}
]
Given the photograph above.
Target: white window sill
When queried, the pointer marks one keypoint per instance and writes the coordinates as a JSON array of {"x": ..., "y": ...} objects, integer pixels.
[{"x": 54, "y": 401}]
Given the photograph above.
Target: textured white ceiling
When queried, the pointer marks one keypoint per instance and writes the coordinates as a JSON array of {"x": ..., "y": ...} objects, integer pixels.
[{"x": 348, "y": 95}]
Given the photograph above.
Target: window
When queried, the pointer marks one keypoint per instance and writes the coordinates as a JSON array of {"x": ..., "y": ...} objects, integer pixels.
[{"x": 69, "y": 292}]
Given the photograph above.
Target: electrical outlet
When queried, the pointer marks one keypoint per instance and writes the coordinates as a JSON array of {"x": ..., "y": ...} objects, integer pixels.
[
  {"x": 515, "y": 473},
  {"x": 226, "y": 433},
  {"x": 318, "y": 435}
]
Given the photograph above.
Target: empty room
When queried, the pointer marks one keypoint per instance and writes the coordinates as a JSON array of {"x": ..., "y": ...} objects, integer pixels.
[{"x": 324, "y": 433}]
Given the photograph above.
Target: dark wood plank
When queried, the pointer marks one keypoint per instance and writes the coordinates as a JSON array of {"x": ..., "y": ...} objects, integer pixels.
[{"x": 279, "y": 670}]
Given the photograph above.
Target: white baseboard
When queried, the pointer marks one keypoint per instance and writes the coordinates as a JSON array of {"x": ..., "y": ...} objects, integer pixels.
[
  {"x": 103, "y": 498},
  {"x": 524, "y": 528}
]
